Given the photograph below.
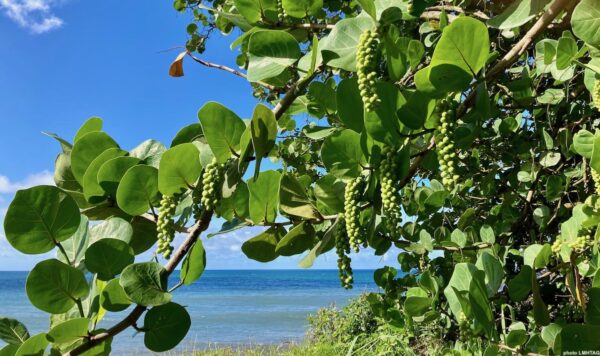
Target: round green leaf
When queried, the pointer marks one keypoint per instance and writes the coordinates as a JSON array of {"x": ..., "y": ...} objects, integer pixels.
[
  {"x": 297, "y": 240},
  {"x": 339, "y": 48},
  {"x": 145, "y": 284},
  {"x": 93, "y": 124},
  {"x": 194, "y": 264},
  {"x": 223, "y": 129},
  {"x": 108, "y": 257},
  {"x": 9, "y": 350},
  {"x": 144, "y": 234},
  {"x": 351, "y": 110},
  {"x": 342, "y": 154},
  {"x": 179, "y": 169},
  {"x": 188, "y": 134},
  {"x": 264, "y": 196},
  {"x": 113, "y": 297},
  {"x": 13, "y": 331},
  {"x": 69, "y": 331},
  {"x": 165, "y": 326},
  {"x": 92, "y": 190},
  {"x": 86, "y": 149},
  {"x": 138, "y": 190},
  {"x": 34, "y": 346},
  {"x": 586, "y": 21},
  {"x": 270, "y": 53},
  {"x": 113, "y": 228},
  {"x": 262, "y": 247},
  {"x": 111, "y": 173},
  {"x": 40, "y": 217},
  {"x": 53, "y": 287}
]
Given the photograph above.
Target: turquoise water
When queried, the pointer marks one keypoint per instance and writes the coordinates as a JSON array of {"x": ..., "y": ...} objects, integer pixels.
[{"x": 228, "y": 307}]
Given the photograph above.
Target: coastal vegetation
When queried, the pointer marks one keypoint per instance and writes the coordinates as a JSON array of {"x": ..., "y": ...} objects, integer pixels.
[{"x": 458, "y": 138}]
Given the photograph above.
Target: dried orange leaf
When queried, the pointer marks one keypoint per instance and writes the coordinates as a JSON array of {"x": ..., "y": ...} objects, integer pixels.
[{"x": 176, "y": 69}]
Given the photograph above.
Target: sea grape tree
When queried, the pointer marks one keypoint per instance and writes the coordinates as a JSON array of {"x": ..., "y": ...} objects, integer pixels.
[{"x": 460, "y": 136}]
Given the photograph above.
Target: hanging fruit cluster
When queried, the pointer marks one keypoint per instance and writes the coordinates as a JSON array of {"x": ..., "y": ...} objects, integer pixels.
[
  {"x": 212, "y": 182},
  {"x": 352, "y": 196},
  {"x": 165, "y": 225},
  {"x": 342, "y": 248},
  {"x": 390, "y": 194},
  {"x": 445, "y": 146},
  {"x": 366, "y": 65}
]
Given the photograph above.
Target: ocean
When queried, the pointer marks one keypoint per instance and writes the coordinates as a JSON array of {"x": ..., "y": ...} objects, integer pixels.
[{"x": 227, "y": 307}]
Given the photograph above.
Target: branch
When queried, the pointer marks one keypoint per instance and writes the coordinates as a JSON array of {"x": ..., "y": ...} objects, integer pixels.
[
  {"x": 193, "y": 234},
  {"x": 229, "y": 70}
]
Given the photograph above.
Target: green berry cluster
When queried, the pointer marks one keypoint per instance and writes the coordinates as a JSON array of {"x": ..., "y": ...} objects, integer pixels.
[
  {"x": 212, "y": 181},
  {"x": 596, "y": 178},
  {"x": 464, "y": 327},
  {"x": 580, "y": 243},
  {"x": 352, "y": 197},
  {"x": 390, "y": 194},
  {"x": 445, "y": 150},
  {"x": 596, "y": 94},
  {"x": 556, "y": 246},
  {"x": 342, "y": 248},
  {"x": 165, "y": 226},
  {"x": 197, "y": 207},
  {"x": 366, "y": 62},
  {"x": 280, "y": 11}
]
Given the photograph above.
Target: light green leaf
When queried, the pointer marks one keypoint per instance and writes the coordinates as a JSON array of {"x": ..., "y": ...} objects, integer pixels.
[
  {"x": 342, "y": 154},
  {"x": 263, "y": 129},
  {"x": 34, "y": 346},
  {"x": 145, "y": 283},
  {"x": 107, "y": 257},
  {"x": 69, "y": 331},
  {"x": 138, "y": 190},
  {"x": 179, "y": 169},
  {"x": 222, "y": 129},
  {"x": 270, "y": 53},
  {"x": 110, "y": 173},
  {"x": 53, "y": 287},
  {"x": 40, "y": 217},
  {"x": 93, "y": 124},
  {"x": 264, "y": 196},
  {"x": 586, "y": 21},
  {"x": 92, "y": 190},
  {"x": 293, "y": 199},
  {"x": 194, "y": 264},
  {"x": 339, "y": 50},
  {"x": 86, "y": 149},
  {"x": 517, "y": 14},
  {"x": 302, "y": 8},
  {"x": 297, "y": 240},
  {"x": 113, "y": 297}
]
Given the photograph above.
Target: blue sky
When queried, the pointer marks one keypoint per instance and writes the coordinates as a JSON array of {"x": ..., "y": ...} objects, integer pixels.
[{"x": 62, "y": 61}]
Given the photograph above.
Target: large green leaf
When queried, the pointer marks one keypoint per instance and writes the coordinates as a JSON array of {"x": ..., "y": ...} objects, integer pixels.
[
  {"x": 188, "y": 134},
  {"x": 342, "y": 154},
  {"x": 194, "y": 264},
  {"x": 586, "y": 21},
  {"x": 297, "y": 240},
  {"x": 165, "y": 326},
  {"x": 382, "y": 124},
  {"x": 460, "y": 54},
  {"x": 329, "y": 192},
  {"x": 350, "y": 108},
  {"x": 34, "y": 346},
  {"x": 76, "y": 245},
  {"x": 145, "y": 283},
  {"x": 264, "y": 196},
  {"x": 263, "y": 130},
  {"x": 149, "y": 152},
  {"x": 459, "y": 282},
  {"x": 13, "y": 331},
  {"x": 112, "y": 171},
  {"x": 480, "y": 304},
  {"x": 53, "y": 287},
  {"x": 339, "y": 48},
  {"x": 92, "y": 190},
  {"x": 574, "y": 338},
  {"x": 302, "y": 8},
  {"x": 113, "y": 297},
  {"x": 256, "y": 11},
  {"x": 179, "y": 169},
  {"x": 144, "y": 234},
  {"x": 69, "y": 331},
  {"x": 293, "y": 199},
  {"x": 517, "y": 14},
  {"x": 86, "y": 149},
  {"x": 262, "y": 246},
  {"x": 107, "y": 257},
  {"x": 93, "y": 124},
  {"x": 112, "y": 228},
  {"x": 494, "y": 272},
  {"x": 40, "y": 217},
  {"x": 592, "y": 313},
  {"x": 138, "y": 190},
  {"x": 222, "y": 129},
  {"x": 270, "y": 53}
]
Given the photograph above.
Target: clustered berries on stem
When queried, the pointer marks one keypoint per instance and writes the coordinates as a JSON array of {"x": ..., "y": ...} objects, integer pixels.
[
  {"x": 352, "y": 197},
  {"x": 596, "y": 94},
  {"x": 445, "y": 146},
  {"x": 390, "y": 194},
  {"x": 165, "y": 225},
  {"x": 464, "y": 327},
  {"x": 212, "y": 181},
  {"x": 596, "y": 179},
  {"x": 366, "y": 63},
  {"x": 342, "y": 248},
  {"x": 281, "y": 15}
]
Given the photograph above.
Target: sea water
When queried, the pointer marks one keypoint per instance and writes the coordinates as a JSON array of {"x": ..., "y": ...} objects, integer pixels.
[{"x": 227, "y": 307}]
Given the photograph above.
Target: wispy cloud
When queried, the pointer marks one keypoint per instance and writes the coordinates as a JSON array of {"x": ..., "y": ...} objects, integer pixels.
[
  {"x": 42, "y": 178},
  {"x": 34, "y": 15}
]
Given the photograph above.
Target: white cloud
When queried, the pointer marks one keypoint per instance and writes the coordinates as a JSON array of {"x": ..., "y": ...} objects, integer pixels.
[
  {"x": 42, "y": 178},
  {"x": 35, "y": 15}
]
